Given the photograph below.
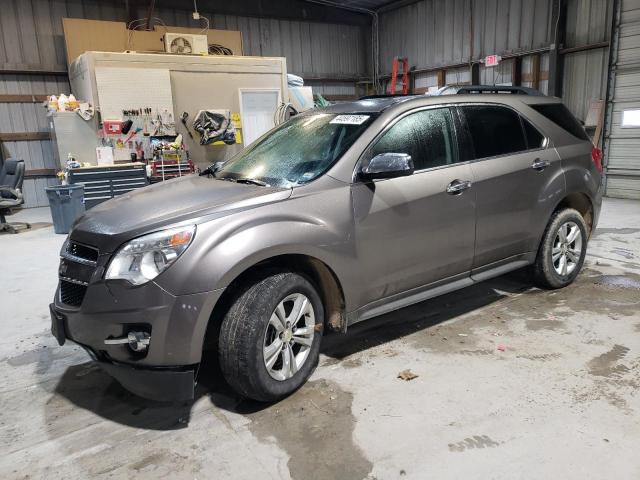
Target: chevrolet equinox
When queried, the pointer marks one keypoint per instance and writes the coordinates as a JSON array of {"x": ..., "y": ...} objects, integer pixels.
[{"x": 334, "y": 217}]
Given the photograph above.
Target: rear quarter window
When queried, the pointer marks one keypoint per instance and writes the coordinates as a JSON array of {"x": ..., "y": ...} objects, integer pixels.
[{"x": 561, "y": 116}]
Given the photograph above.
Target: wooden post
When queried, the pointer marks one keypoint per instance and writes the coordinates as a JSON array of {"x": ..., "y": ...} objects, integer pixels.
[
  {"x": 516, "y": 72},
  {"x": 475, "y": 73},
  {"x": 535, "y": 72}
]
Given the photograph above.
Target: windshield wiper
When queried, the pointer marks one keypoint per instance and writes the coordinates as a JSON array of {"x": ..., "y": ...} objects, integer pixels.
[{"x": 252, "y": 181}]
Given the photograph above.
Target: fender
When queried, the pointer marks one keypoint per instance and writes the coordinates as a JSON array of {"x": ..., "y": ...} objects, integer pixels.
[{"x": 226, "y": 246}]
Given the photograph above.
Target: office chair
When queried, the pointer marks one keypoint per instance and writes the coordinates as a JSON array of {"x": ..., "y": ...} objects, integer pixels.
[{"x": 11, "y": 178}]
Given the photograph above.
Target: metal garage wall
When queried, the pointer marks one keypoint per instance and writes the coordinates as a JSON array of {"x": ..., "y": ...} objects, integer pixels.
[
  {"x": 31, "y": 38},
  {"x": 29, "y": 117},
  {"x": 434, "y": 33},
  {"x": 621, "y": 152},
  {"x": 312, "y": 49},
  {"x": 585, "y": 73}
]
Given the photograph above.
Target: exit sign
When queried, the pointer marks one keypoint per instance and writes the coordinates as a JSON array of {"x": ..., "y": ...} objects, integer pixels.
[{"x": 492, "y": 60}]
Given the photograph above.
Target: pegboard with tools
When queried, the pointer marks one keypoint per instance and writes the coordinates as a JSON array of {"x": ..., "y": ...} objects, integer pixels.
[
  {"x": 125, "y": 89},
  {"x": 130, "y": 135}
]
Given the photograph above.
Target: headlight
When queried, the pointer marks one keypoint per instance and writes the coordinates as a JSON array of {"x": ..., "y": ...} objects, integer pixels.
[{"x": 144, "y": 258}]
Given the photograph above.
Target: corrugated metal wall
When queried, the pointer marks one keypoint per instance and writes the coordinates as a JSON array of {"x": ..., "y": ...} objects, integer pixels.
[
  {"x": 434, "y": 33},
  {"x": 31, "y": 38},
  {"x": 29, "y": 117},
  {"x": 585, "y": 73},
  {"x": 312, "y": 49}
]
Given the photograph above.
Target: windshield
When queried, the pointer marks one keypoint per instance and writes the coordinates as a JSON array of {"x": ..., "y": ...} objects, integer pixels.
[{"x": 298, "y": 151}]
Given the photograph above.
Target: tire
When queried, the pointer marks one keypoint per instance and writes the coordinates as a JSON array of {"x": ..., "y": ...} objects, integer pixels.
[
  {"x": 249, "y": 329},
  {"x": 558, "y": 262}
]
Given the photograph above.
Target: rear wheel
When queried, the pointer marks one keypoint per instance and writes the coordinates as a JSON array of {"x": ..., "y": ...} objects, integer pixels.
[
  {"x": 270, "y": 338},
  {"x": 562, "y": 250}
]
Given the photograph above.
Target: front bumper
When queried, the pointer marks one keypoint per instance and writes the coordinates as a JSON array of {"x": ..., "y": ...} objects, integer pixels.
[
  {"x": 177, "y": 326},
  {"x": 163, "y": 384}
]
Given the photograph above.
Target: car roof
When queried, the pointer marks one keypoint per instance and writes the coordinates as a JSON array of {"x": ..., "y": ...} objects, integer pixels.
[
  {"x": 379, "y": 104},
  {"x": 373, "y": 105}
]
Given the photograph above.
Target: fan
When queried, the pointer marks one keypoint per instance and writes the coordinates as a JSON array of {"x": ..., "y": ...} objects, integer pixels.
[{"x": 181, "y": 45}]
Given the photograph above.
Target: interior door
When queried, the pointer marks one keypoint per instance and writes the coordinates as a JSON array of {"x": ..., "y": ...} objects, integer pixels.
[
  {"x": 257, "y": 107},
  {"x": 514, "y": 175},
  {"x": 411, "y": 231}
]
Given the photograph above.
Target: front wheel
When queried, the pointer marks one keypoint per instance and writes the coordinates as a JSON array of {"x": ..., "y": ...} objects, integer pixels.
[
  {"x": 270, "y": 338},
  {"x": 562, "y": 250}
]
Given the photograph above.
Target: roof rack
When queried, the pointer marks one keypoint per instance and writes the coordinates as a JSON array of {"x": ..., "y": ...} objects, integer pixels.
[
  {"x": 388, "y": 95},
  {"x": 466, "y": 89}
]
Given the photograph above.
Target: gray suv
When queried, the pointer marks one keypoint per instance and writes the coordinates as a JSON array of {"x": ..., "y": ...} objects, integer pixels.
[{"x": 337, "y": 216}]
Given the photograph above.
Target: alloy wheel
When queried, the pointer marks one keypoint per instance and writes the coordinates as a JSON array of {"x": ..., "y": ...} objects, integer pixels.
[
  {"x": 289, "y": 336},
  {"x": 567, "y": 248}
]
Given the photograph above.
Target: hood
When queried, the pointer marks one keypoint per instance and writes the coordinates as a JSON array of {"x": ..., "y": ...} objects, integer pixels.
[{"x": 115, "y": 221}]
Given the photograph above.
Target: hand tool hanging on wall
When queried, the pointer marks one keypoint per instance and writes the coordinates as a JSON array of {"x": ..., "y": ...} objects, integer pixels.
[
  {"x": 126, "y": 126},
  {"x": 183, "y": 118}
]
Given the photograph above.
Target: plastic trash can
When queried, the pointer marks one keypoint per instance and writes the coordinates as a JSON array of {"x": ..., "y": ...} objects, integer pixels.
[{"x": 67, "y": 204}]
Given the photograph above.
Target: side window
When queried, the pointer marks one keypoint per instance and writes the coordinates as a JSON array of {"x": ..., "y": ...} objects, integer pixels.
[
  {"x": 534, "y": 138},
  {"x": 428, "y": 136},
  {"x": 494, "y": 130}
]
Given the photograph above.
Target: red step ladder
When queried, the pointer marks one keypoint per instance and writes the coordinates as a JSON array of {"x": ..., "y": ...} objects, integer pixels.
[{"x": 405, "y": 75}]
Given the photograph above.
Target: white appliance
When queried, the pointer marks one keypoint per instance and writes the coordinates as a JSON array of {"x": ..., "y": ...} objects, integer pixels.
[{"x": 186, "y": 43}]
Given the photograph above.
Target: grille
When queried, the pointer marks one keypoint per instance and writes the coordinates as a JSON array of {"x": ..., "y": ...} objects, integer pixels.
[
  {"x": 72, "y": 293},
  {"x": 82, "y": 251}
]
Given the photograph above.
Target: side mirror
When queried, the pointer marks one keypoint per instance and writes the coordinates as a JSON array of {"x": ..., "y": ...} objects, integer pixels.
[{"x": 387, "y": 165}]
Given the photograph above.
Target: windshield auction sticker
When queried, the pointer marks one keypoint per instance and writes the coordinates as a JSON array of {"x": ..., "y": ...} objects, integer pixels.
[{"x": 350, "y": 119}]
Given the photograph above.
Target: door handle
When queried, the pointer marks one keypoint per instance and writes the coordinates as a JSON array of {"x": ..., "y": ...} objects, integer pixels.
[
  {"x": 540, "y": 164},
  {"x": 458, "y": 186}
]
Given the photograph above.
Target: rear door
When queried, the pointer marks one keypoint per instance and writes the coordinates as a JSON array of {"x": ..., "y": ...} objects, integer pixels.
[
  {"x": 517, "y": 179},
  {"x": 409, "y": 231}
]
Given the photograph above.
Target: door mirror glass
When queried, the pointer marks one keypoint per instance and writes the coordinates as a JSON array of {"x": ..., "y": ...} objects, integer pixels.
[{"x": 388, "y": 165}]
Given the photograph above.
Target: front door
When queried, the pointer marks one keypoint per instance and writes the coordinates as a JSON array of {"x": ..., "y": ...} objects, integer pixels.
[{"x": 416, "y": 230}]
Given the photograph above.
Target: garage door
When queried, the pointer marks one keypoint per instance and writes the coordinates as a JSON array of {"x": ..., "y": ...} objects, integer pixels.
[{"x": 623, "y": 147}]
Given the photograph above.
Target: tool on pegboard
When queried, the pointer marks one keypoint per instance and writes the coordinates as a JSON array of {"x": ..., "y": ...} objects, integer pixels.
[{"x": 183, "y": 119}]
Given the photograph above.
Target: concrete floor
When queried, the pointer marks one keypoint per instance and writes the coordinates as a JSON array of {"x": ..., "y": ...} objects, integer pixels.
[{"x": 561, "y": 400}]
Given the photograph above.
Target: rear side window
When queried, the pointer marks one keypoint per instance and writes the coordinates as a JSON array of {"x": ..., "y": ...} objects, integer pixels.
[
  {"x": 494, "y": 130},
  {"x": 561, "y": 116},
  {"x": 534, "y": 138},
  {"x": 427, "y": 135}
]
